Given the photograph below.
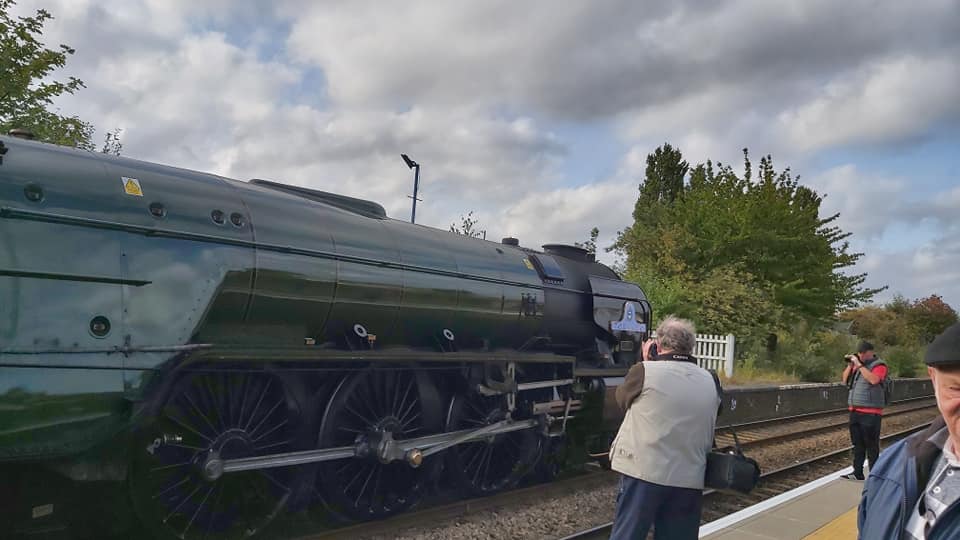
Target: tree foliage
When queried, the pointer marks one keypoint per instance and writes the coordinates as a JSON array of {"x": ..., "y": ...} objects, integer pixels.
[
  {"x": 902, "y": 328},
  {"x": 902, "y": 321},
  {"x": 111, "y": 143},
  {"x": 27, "y": 90},
  {"x": 468, "y": 226},
  {"x": 723, "y": 247},
  {"x": 590, "y": 244},
  {"x": 929, "y": 317}
]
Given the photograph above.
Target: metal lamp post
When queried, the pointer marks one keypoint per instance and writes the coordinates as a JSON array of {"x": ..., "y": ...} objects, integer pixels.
[{"x": 416, "y": 184}]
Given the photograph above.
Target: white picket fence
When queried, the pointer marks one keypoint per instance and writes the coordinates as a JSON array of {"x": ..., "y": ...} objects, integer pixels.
[{"x": 715, "y": 352}]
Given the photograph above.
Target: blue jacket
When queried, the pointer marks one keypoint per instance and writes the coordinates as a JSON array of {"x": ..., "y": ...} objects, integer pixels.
[{"x": 894, "y": 486}]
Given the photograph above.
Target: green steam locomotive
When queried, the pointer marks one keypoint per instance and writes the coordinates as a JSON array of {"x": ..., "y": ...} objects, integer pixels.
[{"x": 226, "y": 350}]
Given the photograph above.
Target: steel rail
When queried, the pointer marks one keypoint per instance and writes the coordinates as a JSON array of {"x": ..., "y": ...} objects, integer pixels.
[
  {"x": 762, "y": 440},
  {"x": 816, "y": 414},
  {"x": 779, "y": 437}
]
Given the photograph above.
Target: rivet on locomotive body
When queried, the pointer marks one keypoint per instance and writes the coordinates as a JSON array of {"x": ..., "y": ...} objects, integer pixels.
[
  {"x": 218, "y": 217},
  {"x": 33, "y": 193},
  {"x": 99, "y": 326},
  {"x": 237, "y": 219}
]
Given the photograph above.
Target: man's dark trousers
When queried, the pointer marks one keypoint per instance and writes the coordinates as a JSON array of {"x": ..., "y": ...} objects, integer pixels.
[
  {"x": 673, "y": 512},
  {"x": 865, "y": 436}
]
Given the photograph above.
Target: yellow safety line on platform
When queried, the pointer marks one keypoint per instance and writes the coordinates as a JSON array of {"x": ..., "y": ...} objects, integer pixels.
[{"x": 843, "y": 527}]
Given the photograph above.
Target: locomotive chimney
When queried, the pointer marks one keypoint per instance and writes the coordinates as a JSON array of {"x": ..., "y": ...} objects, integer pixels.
[{"x": 510, "y": 241}]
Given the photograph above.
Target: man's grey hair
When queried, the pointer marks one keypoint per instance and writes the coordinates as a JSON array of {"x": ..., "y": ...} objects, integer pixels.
[{"x": 677, "y": 335}]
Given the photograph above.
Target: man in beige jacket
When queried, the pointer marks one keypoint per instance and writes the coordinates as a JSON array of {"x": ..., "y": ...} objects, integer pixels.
[{"x": 661, "y": 449}]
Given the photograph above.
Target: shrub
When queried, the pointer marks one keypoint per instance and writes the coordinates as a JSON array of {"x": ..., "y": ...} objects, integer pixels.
[
  {"x": 903, "y": 361},
  {"x": 812, "y": 356}
]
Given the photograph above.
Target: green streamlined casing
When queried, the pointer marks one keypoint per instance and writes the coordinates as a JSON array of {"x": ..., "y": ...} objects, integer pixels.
[{"x": 111, "y": 269}]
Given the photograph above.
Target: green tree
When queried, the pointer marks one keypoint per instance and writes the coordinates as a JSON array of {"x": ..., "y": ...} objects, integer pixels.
[
  {"x": 468, "y": 226},
  {"x": 664, "y": 178},
  {"x": 662, "y": 185},
  {"x": 591, "y": 244},
  {"x": 930, "y": 316},
  {"x": 902, "y": 321},
  {"x": 880, "y": 325},
  {"x": 111, "y": 143},
  {"x": 762, "y": 225},
  {"x": 27, "y": 89}
]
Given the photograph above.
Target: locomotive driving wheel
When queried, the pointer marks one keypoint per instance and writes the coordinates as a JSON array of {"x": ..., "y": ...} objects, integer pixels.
[
  {"x": 209, "y": 417},
  {"x": 367, "y": 406},
  {"x": 496, "y": 462}
]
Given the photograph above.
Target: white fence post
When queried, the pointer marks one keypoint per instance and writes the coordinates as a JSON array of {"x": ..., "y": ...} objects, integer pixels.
[
  {"x": 728, "y": 360},
  {"x": 714, "y": 351}
]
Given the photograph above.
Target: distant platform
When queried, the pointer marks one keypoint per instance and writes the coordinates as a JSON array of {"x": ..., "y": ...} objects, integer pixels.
[{"x": 825, "y": 509}]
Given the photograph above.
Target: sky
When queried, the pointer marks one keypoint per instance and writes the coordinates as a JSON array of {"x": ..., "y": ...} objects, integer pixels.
[{"x": 537, "y": 116}]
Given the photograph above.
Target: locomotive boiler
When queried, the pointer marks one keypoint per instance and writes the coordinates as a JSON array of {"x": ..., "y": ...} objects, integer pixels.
[{"x": 229, "y": 349}]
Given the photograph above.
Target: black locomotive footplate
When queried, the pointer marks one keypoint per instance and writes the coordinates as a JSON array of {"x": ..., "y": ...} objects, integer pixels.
[
  {"x": 600, "y": 372},
  {"x": 382, "y": 356}
]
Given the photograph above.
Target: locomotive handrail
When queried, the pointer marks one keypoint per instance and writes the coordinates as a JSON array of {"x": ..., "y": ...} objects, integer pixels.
[{"x": 382, "y": 355}]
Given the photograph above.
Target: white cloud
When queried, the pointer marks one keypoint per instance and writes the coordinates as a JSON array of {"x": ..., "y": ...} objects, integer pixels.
[
  {"x": 867, "y": 204},
  {"x": 892, "y": 227},
  {"x": 566, "y": 215},
  {"x": 890, "y": 100},
  {"x": 474, "y": 90},
  {"x": 931, "y": 268}
]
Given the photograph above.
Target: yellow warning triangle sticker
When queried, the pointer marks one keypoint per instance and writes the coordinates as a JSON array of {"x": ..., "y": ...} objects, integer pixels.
[{"x": 131, "y": 186}]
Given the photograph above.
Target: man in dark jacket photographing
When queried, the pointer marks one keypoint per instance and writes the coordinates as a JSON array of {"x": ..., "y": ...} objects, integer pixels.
[{"x": 914, "y": 490}]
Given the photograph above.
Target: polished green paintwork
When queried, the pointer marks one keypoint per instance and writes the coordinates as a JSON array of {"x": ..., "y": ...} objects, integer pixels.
[
  {"x": 294, "y": 270},
  {"x": 56, "y": 411}
]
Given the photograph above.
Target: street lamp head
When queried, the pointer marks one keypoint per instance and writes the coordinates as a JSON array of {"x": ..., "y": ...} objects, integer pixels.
[{"x": 410, "y": 163}]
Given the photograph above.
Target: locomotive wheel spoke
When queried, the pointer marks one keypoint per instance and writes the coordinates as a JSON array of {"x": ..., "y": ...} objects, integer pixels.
[
  {"x": 228, "y": 414},
  {"x": 494, "y": 463},
  {"x": 367, "y": 404}
]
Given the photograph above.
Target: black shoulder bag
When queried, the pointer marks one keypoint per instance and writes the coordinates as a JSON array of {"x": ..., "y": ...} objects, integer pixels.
[{"x": 727, "y": 468}]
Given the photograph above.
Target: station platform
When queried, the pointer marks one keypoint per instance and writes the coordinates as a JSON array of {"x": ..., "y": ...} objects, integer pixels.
[{"x": 825, "y": 509}]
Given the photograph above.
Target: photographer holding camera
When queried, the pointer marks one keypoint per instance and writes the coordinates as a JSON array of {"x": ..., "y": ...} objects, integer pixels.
[{"x": 864, "y": 376}]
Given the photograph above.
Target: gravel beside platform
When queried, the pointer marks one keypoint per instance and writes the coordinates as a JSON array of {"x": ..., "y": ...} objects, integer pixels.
[{"x": 561, "y": 516}]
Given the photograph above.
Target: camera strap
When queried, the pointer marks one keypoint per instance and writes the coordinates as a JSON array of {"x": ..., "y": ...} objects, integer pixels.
[{"x": 716, "y": 382}]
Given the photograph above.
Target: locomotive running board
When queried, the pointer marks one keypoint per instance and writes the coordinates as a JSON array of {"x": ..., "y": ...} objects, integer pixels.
[
  {"x": 306, "y": 353},
  {"x": 385, "y": 448}
]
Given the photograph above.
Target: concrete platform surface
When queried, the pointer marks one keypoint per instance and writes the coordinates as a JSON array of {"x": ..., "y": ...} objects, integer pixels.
[{"x": 825, "y": 509}]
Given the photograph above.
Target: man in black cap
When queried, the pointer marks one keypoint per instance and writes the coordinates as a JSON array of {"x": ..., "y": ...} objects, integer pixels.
[
  {"x": 864, "y": 375},
  {"x": 913, "y": 492}
]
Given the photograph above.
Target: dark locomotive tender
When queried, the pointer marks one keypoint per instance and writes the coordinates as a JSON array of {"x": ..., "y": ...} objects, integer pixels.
[{"x": 228, "y": 349}]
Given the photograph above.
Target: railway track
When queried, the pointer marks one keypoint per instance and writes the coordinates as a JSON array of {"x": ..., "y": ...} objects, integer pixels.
[
  {"x": 772, "y": 483},
  {"x": 765, "y": 433},
  {"x": 770, "y": 433}
]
